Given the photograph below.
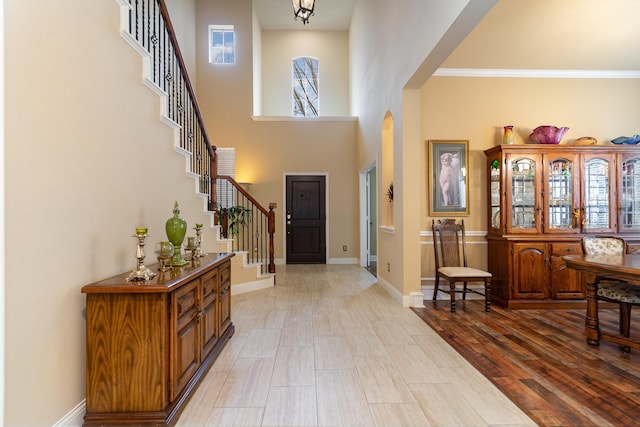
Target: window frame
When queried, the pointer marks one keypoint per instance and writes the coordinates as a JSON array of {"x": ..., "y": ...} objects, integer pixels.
[
  {"x": 226, "y": 51},
  {"x": 295, "y": 84}
]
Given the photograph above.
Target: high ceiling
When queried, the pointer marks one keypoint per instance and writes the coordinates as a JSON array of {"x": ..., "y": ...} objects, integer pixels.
[
  {"x": 330, "y": 15},
  {"x": 540, "y": 34}
]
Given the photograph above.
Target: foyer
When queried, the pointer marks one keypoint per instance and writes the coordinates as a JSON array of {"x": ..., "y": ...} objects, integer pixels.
[{"x": 328, "y": 346}]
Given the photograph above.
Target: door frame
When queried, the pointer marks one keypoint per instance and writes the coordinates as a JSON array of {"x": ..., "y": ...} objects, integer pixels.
[
  {"x": 365, "y": 195},
  {"x": 284, "y": 215}
]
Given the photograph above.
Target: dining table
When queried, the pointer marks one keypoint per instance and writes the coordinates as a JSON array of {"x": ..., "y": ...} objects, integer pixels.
[{"x": 602, "y": 267}]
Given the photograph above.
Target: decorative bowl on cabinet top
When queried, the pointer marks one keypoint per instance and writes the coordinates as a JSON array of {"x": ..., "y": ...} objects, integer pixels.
[
  {"x": 548, "y": 134},
  {"x": 626, "y": 139}
]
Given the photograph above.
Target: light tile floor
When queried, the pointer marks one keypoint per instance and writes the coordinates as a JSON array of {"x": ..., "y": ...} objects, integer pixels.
[{"x": 328, "y": 346}]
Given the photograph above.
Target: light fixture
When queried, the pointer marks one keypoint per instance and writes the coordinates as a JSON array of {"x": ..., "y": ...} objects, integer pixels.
[{"x": 303, "y": 9}]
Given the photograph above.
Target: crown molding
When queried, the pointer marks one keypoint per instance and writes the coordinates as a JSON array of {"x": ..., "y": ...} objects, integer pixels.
[{"x": 544, "y": 74}]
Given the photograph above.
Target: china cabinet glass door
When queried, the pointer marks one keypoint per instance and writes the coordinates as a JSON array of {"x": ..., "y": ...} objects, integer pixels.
[
  {"x": 523, "y": 190},
  {"x": 561, "y": 191},
  {"x": 494, "y": 192},
  {"x": 630, "y": 196},
  {"x": 597, "y": 179}
]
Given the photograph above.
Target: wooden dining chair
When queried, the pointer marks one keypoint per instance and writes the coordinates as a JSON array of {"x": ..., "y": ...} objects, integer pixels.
[
  {"x": 621, "y": 293},
  {"x": 449, "y": 244}
]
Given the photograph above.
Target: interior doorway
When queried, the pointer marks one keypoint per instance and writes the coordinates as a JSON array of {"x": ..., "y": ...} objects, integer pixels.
[
  {"x": 368, "y": 219},
  {"x": 305, "y": 219}
]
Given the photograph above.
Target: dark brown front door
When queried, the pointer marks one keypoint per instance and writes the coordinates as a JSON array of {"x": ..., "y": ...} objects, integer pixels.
[{"x": 306, "y": 216}]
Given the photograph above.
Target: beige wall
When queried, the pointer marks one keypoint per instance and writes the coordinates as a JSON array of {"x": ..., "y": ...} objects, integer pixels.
[
  {"x": 267, "y": 150},
  {"x": 476, "y": 109},
  {"x": 183, "y": 14},
  {"x": 87, "y": 158},
  {"x": 331, "y": 48},
  {"x": 382, "y": 36},
  {"x": 87, "y": 161}
]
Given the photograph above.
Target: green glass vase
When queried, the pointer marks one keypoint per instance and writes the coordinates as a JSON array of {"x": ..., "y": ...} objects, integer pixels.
[{"x": 176, "y": 228}]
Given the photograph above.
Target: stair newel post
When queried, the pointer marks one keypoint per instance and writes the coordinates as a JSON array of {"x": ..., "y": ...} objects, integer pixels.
[
  {"x": 271, "y": 230},
  {"x": 224, "y": 222},
  {"x": 213, "y": 195}
]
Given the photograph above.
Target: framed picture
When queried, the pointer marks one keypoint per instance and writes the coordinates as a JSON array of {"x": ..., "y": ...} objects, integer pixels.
[{"x": 448, "y": 178}]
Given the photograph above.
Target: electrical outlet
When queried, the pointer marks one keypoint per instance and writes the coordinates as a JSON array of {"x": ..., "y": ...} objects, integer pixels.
[
  {"x": 344, "y": 248},
  {"x": 389, "y": 267}
]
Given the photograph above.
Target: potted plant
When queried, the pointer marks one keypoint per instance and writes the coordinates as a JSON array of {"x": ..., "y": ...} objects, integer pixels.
[{"x": 233, "y": 218}]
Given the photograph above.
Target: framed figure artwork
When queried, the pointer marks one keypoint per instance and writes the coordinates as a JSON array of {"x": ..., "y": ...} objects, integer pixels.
[{"x": 448, "y": 178}]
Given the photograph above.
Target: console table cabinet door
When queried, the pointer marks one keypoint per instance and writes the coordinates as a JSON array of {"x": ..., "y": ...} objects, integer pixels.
[
  {"x": 125, "y": 362},
  {"x": 225, "y": 297},
  {"x": 186, "y": 358},
  {"x": 209, "y": 320}
]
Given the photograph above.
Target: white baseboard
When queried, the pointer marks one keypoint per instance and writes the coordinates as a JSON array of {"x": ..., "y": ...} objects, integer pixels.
[
  {"x": 343, "y": 261},
  {"x": 256, "y": 285},
  {"x": 280, "y": 261},
  {"x": 73, "y": 418},
  {"x": 427, "y": 290},
  {"x": 414, "y": 299}
]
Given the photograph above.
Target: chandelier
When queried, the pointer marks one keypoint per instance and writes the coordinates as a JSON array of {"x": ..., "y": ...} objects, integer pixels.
[{"x": 303, "y": 9}]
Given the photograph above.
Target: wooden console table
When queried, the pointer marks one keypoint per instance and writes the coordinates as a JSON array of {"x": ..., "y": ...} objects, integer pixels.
[
  {"x": 150, "y": 344},
  {"x": 617, "y": 267}
]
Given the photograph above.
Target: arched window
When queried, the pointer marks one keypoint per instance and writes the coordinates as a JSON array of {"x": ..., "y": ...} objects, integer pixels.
[{"x": 305, "y": 87}]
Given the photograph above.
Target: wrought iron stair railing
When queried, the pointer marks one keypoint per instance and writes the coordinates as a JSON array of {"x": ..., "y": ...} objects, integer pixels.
[
  {"x": 250, "y": 226},
  {"x": 149, "y": 30}
]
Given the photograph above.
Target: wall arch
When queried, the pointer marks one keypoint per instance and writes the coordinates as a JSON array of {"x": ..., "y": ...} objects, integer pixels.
[{"x": 386, "y": 177}]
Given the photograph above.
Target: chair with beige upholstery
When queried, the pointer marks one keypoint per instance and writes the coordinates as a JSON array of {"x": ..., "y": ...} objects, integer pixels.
[
  {"x": 449, "y": 244},
  {"x": 621, "y": 293}
]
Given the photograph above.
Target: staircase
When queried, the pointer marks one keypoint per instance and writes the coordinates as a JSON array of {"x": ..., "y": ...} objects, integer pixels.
[
  {"x": 146, "y": 26},
  {"x": 245, "y": 276}
]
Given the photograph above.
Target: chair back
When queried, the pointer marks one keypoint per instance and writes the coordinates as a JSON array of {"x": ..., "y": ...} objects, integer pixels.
[
  {"x": 448, "y": 243},
  {"x": 603, "y": 245}
]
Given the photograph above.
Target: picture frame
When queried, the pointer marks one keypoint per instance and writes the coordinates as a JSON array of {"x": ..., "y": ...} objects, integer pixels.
[{"x": 448, "y": 166}]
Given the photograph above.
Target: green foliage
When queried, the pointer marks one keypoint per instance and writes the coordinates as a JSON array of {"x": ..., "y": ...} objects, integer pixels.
[{"x": 238, "y": 217}]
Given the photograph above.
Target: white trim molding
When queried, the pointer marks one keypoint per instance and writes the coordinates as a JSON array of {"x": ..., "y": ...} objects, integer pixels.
[
  {"x": 304, "y": 119},
  {"x": 387, "y": 229},
  {"x": 73, "y": 418},
  {"x": 548, "y": 74}
]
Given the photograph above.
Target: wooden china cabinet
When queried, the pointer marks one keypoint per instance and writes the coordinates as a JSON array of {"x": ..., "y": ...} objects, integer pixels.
[
  {"x": 541, "y": 200},
  {"x": 150, "y": 344}
]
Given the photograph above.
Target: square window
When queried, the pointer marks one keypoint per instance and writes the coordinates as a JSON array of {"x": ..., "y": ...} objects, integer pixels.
[{"x": 222, "y": 49}]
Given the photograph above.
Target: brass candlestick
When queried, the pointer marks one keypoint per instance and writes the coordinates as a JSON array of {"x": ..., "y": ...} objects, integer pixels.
[
  {"x": 164, "y": 252},
  {"x": 191, "y": 247},
  {"x": 141, "y": 273},
  {"x": 199, "y": 253}
]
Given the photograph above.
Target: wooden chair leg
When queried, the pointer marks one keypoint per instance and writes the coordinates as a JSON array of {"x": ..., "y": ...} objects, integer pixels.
[
  {"x": 452, "y": 295},
  {"x": 435, "y": 287},
  {"x": 625, "y": 323},
  {"x": 464, "y": 291},
  {"x": 487, "y": 295}
]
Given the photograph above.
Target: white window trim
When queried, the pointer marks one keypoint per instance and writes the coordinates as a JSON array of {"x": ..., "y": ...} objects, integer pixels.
[
  {"x": 213, "y": 28},
  {"x": 292, "y": 77}
]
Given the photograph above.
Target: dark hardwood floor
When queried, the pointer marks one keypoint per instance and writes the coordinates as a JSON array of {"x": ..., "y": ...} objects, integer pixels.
[{"x": 540, "y": 360}]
